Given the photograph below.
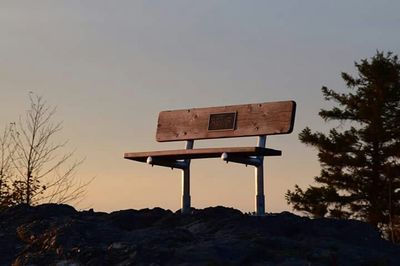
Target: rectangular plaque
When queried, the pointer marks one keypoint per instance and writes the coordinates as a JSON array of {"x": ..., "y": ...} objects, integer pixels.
[{"x": 222, "y": 121}]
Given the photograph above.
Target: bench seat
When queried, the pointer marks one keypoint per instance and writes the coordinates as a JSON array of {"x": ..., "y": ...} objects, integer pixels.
[{"x": 201, "y": 153}]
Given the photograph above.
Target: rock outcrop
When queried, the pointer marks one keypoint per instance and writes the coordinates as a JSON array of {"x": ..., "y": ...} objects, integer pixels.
[{"x": 59, "y": 235}]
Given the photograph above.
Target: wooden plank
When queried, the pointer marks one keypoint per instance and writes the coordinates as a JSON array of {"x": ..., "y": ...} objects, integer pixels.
[
  {"x": 217, "y": 122},
  {"x": 201, "y": 153}
]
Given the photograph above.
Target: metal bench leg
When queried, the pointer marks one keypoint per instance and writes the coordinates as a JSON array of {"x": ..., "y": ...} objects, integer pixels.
[
  {"x": 260, "y": 199},
  {"x": 259, "y": 181},
  {"x": 186, "y": 190},
  {"x": 186, "y": 206}
]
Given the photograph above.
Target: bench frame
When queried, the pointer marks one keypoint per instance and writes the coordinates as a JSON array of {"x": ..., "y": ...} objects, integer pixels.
[{"x": 181, "y": 159}]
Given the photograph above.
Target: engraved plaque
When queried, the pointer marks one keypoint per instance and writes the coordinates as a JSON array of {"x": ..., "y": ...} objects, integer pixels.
[{"x": 222, "y": 121}]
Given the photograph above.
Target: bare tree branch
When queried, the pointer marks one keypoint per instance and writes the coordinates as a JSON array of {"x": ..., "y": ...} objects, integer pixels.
[
  {"x": 7, "y": 150},
  {"x": 41, "y": 166}
]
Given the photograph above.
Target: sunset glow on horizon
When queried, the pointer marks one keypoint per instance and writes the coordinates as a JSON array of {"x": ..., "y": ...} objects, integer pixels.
[{"x": 111, "y": 67}]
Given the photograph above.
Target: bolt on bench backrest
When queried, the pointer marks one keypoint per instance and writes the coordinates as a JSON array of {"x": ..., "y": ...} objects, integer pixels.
[{"x": 226, "y": 121}]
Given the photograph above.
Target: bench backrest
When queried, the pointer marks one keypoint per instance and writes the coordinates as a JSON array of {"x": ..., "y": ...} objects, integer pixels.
[{"x": 226, "y": 121}]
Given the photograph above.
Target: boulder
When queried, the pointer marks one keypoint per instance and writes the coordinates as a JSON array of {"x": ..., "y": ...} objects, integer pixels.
[{"x": 53, "y": 234}]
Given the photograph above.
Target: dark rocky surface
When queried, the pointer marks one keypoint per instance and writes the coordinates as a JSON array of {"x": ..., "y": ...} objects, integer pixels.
[{"x": 60, "y": 235}]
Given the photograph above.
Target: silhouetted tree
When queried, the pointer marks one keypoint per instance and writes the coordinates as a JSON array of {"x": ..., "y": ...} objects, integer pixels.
[
  {"x": 6, "y": 172},
  {"x": 43, "y": 173},
  {"x": 360, "y": 175}
]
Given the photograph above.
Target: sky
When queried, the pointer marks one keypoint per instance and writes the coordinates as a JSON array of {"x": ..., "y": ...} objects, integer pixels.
[{"x": 111, "y": 66}]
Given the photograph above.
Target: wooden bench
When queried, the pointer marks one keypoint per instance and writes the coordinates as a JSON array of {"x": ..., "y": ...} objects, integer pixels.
[{"x": 220, "y": 122}]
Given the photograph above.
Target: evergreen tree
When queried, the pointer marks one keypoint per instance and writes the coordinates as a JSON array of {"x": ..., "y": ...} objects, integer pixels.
[{"x": 360, "y": 159}]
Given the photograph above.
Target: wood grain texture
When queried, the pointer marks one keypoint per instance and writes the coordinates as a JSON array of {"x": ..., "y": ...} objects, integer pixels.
[
  {"x": 201, "y": 153},
  {"x": 252, "y": 120}
]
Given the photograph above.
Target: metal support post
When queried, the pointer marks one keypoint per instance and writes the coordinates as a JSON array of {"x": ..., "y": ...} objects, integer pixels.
[
  {"x": 186, "y": 182},
  {"x": 259, "y": 180}
]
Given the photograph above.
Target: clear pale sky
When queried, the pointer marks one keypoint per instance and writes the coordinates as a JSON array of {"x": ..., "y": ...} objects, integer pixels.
[{"x": 111, "y": 66}]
